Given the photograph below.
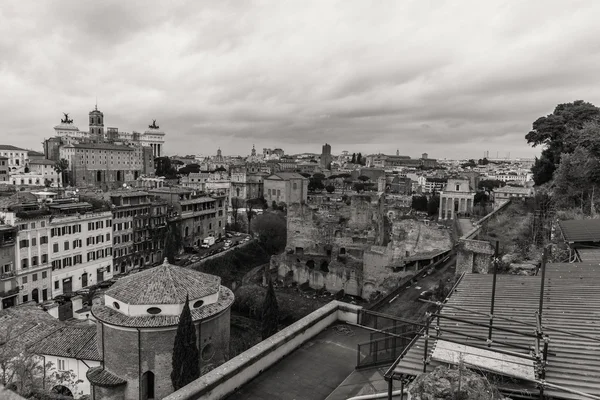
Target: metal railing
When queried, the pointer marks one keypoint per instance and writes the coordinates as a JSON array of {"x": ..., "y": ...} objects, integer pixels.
[{"x": 382, "y": 350}]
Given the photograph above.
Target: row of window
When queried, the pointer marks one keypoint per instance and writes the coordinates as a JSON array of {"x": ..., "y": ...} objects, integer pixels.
[
  {"x": 67, "y": 262},
  {"x": 272, "y": 192},
  {"x": 65, "y": 230},
  {"x": 78, "y": 259},
  {"x": 199, "y": 207},
  {"x": 23, "y": 227},
  {"x": 91, "y": 256},
  {"x": 123, "y": 238},
  {"x": 99, "y": 224},
  {"x": 33, "y": 242},
  {"x": 122, "y": 226},
  {"x": 35, "y": 261},
  {"x": 34, "y": 277}
]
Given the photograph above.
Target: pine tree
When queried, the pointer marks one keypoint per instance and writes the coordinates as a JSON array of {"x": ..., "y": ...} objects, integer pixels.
[
  {"x": 359, "y": 158},
  {"x": 353, "y": 161},
  {"x": 270, "y": 313},
  {"x": 186, "y": 359}
]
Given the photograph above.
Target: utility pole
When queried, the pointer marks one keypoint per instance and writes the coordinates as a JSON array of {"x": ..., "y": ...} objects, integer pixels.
[{"x": 495, "y": 266}]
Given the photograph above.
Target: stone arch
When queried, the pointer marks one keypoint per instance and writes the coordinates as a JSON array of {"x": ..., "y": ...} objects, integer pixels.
[
  {"x": 62, "y": 390},
  {"x": 310, "y": 264},
  {"x": 342, "y": 251},
  {"x": 98, "y": 176},
  {"x": 324, "y": 266}
]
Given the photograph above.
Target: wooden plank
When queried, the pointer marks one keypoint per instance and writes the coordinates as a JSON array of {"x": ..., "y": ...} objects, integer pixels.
[{"x": 489, "y": 360}]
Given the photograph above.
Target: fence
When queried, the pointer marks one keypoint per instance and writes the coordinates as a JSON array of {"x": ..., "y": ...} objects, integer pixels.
[{"x": 388, "y": 340}]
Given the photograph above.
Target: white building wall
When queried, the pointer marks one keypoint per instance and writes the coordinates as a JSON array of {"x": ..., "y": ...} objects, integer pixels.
[
  {"x": 79, "y": 368},
  {"x": 60, "y": 250}
]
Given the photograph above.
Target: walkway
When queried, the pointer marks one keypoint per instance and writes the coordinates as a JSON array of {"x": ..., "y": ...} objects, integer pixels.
[
  {"x": 465, "y": 225},
  {"x": 312, "y": 371}
]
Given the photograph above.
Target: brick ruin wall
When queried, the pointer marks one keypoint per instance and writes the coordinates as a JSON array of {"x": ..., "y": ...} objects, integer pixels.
[{"x": 337, "y": 246}]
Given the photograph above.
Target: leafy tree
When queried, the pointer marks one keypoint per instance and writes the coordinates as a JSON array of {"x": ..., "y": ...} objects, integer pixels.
[
  {"x": 26, "y": 373},
  {"x": 188, "y": 169},
  {"x": 469, "y": 164},
  {"x": 353, "y": 160},
  {"x": 489, "y": 184},
  {"x": 559, "y": 133},
  {"x": 173, "y": 241},
  {"x": 186, "y": 359},
  {"x": 315, "y": 184},
  {"x": 236, "y": 204},
  {"x": 481, "y": 197},
  {"x": 271, "y": 229},
  {"x": 270, "y": 313},
  {"x": 483, "y": 161},
  {"x": 433, "y": 205},
  {"x": 359, "y": 187},
  {"x": 330, "y": 188},
  {"x": 363, "y": 178},
  {"x": 62, "y": 167},
  {"x": 164, "y": 167},
  {"x": 319, "y": 176},
  {"x": 419, "y": 203},
  {"x": 251, "y": 206},
  {"x": 305, "y": 174}
]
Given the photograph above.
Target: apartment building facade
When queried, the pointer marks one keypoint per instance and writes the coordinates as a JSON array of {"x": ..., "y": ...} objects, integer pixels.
[
  {"x": 198, "y": 216},
  {"x": 9, "y": 285},
  {"x": 80, "y": 248},
  {"x": 139, "y": 229},
  {"x": 32, "y": 259}
]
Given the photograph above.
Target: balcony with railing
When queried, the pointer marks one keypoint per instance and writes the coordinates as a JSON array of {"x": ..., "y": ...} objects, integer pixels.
[
  {"x": 7, "y": 235},
  {"x": 8, "y": 287}
]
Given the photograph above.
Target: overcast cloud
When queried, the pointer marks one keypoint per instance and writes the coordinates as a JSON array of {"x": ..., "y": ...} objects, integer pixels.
[{"x": 450, "y": 78}]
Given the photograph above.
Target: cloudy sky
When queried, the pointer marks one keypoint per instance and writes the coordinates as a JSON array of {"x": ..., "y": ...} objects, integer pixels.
[{"x": 450, "y": 78}]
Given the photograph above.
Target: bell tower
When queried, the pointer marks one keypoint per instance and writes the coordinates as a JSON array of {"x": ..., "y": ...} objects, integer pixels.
[{"x": 97, "y": 125}]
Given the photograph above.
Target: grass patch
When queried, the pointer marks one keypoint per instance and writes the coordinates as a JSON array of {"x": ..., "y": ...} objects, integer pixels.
[
  {"x": 234, "y": 264},
  {"x": 293, "y": 305}
]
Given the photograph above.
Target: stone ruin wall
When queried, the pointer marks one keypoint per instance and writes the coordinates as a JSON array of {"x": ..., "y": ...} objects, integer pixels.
[{"x": 327, "y": 242}]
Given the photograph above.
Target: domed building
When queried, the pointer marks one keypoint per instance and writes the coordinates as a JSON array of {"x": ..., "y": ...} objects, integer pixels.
[{"x": 137, "y": 324}]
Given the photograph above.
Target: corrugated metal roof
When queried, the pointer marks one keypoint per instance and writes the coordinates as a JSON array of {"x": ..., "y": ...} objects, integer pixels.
[
  {"x": 589, "y": 255},
  {"x": 584, "y": 230},
  {"x": 571, "y": 303}
]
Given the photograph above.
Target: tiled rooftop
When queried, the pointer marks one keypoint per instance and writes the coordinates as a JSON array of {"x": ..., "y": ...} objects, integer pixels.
[
  {"x": 70, "y": 341},
  {"x": 98, "y": 376},
  {"x": 165, "y": 284}
]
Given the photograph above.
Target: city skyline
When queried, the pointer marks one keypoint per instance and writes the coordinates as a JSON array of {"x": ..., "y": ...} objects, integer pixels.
[{"x": 397, "y": 76}]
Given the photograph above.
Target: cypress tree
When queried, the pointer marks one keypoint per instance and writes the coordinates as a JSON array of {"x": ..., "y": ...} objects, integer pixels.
[
  {"x": 270, "y": 313},
  {"x": 186, "y": 361}
]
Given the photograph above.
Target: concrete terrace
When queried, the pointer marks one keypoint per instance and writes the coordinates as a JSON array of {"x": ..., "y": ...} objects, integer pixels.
[{"x": 312, "y": 371}]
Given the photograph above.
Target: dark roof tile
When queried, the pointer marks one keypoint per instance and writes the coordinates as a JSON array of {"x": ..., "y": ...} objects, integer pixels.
[{"x": 165, "y": 284}]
